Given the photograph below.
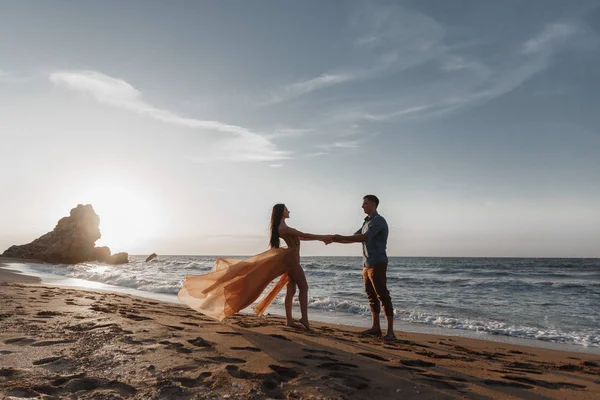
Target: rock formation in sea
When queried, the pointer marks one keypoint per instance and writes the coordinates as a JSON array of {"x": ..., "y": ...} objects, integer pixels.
[
  {"x": 72, "y": 241},
  {"x": 151, "y": 257}
]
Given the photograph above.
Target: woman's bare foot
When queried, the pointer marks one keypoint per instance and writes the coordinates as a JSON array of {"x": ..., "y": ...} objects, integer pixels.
[
  {"x": 371, "y": 332},
  {"x": 389, "y": 337},
  {"x": 304, "y": 322}
]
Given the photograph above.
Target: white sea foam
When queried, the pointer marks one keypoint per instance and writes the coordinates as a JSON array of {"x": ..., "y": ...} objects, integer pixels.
[{"x": 518, "y": 298}]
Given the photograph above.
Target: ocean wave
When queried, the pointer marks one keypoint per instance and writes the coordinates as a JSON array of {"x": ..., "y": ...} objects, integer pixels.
[
  {"x": 585, "y": 338},
  {"x": 126, "y": 275},
  {"x": 588, "y": 338},
  {"x": 454, "y": 298}
]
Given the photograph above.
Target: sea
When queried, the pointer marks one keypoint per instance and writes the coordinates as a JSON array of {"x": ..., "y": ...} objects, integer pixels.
[{"x": 541, "y": 302}]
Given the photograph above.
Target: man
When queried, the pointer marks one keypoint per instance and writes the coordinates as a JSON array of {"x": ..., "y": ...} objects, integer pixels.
[{"x": 373, "y": 234}]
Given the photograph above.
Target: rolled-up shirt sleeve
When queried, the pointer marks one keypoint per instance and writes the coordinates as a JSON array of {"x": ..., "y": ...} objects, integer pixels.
[{"x": 376, "y": 226}]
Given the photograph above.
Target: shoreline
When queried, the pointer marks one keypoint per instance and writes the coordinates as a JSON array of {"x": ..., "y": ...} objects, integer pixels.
[
  {"x": 61, "y": 341},
  {"x": 67, "y": 341},
  {"x": 19, "y": 269}
]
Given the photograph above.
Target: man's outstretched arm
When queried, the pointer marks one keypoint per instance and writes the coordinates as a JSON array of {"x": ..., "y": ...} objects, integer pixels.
[{"x": 356, "y": 238}]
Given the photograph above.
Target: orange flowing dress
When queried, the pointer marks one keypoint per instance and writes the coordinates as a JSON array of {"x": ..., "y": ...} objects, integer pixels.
[{"x": 234, "y": 284}]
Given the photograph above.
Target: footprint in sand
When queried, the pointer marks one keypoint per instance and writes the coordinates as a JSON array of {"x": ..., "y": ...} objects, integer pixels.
[
  {"x": 47, "y": 360},
  {"x": 373, "y": 356},
  {"x": 9, "y": 372},
  {"x": 270, "y": 382},
  {"x": 100, "y": 308},
  {"x": 313, "y": 351},
  {"x": 285, "y": 373},
  {"x": 85, "y": 384},
  {"x": 51, "y": 343},
  {"x": 20, "y": 341},
  {"x": 190, "y": 323},
  {"x": 431, "y": 354},
  {"x": 337, "y": 366},
  {"x": 570, "y": 367},
  {"x": 191, "y": 382},
  {"x": 295, "y": 362},
  {"x": 252, "y": 349},
  {"x": 281, "y": 337},
  {"x": 34, "y": 321},
  {"x": 90, "y": 326},
  {"x": 136, "y": 317},
  {"x": 521, "y": 371},
  {"x": 238, "y": 373},
  {"x": 199, "y": 342},
  {"x": 544, "y": 384},
  {"x": 229, "y": 333},
  {"x": 22, "y": 392},
  {"x": 48, "y": 314},
  {"x": 417, "y": 363},
  {"x": 222, "y": 359},
  {"x": 175, "y": 327},
  {"x": 319, "y": 358},
  {"x": 178, "y": 347}
]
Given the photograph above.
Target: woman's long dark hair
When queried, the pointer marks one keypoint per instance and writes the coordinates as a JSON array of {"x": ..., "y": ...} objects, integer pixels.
[{"x": 276, "y": 217}]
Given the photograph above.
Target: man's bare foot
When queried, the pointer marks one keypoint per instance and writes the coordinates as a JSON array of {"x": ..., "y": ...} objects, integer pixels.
[
  {"x": 305, "y": 323},
  {"x": 371, "y": 332},
  {"x": 389, "y": 337},
  {"x": 294, "y": 325}
]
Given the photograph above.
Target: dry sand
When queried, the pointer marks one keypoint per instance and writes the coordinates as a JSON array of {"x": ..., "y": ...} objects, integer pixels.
[{"x": 58, "y": 342}]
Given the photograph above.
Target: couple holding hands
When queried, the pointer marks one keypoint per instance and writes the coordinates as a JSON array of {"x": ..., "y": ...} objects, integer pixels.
[{"x": 234, "y": 284}]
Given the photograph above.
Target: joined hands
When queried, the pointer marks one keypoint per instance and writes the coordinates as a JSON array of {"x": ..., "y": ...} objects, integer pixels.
[{"x": 328, "y": 239}]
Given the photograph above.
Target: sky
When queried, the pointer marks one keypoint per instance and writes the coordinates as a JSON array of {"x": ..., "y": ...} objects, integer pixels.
[{"x": 476, "y": 123}]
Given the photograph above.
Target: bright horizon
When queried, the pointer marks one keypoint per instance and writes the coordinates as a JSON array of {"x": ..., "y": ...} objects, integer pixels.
[{"x": 182, "y": 124}]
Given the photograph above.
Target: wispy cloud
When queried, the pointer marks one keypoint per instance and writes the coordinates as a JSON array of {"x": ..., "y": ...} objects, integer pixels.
[
  {"x": 307, "y": 86},
  {"x": 242, "y": 144},
  {"x": 350, "y": 144},
  {"x": 466, "y": 81},
  {"x": 316, "y": 154},
  {"x": 359, "y": 114},
  {"x": 395, "y": 39},
  {"x": 551, "y": 36}
]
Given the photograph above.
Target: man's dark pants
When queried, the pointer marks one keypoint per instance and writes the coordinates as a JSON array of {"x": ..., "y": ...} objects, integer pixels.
[{"x": 375, "y": 279}]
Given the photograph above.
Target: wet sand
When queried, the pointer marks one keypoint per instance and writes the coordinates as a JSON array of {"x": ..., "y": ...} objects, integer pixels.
[{"x": 60, "y": 342}]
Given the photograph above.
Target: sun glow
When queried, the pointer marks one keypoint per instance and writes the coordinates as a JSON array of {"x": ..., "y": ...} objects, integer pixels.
[{"x": 128, "y": 219}]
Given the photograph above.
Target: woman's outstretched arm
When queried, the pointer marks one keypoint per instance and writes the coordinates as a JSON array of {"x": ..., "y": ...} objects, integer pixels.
[{"x": 286, "y": 230}]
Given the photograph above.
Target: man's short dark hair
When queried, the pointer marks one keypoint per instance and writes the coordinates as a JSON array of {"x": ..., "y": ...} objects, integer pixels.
[{"x": 373, "y": 198}]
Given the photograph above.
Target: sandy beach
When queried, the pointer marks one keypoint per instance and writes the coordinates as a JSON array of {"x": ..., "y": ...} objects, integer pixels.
[{"x": 59, "y": 342}]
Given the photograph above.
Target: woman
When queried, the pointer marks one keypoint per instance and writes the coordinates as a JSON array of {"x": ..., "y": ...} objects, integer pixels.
[{"x": 233, "y": 284}]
